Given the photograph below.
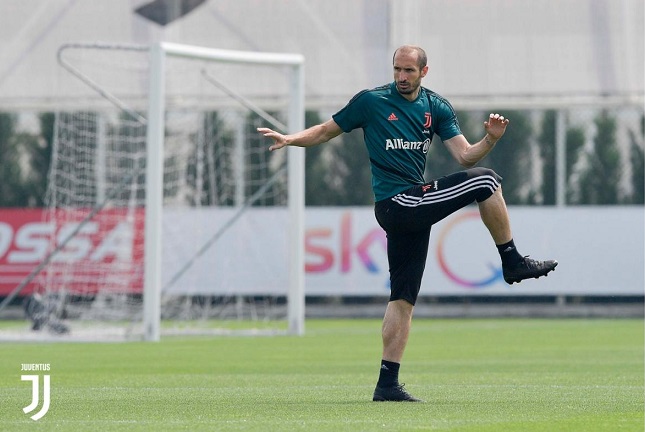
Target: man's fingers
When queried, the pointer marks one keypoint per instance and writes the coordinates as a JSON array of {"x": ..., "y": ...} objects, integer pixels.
[
  {"x": 496, "y": 125},
  {"x": 266, "y": 131},
  {"x": 276, "y": 145},
  {"x": 269, "y": 133},
  {"x": 494, "y": 117},
  {"x": 278, "y": 139}
]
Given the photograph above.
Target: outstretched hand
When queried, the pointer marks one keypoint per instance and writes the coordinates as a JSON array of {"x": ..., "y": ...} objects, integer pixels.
[
  {"x": 496, "y": 126},
  {"x": 279, "y": 140}
]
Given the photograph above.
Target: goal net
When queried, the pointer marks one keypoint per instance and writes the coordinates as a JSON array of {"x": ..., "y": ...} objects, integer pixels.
[{"x": 168, "y": 213}]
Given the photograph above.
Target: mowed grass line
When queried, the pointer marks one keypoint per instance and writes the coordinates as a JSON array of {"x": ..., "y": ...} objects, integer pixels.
[{"x": 476, "y": 375}]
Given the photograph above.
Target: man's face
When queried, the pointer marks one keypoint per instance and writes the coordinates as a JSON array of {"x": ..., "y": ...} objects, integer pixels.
[{"x": 407, "y": 74}]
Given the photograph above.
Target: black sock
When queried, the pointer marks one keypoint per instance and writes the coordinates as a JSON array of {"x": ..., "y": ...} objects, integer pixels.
[
  {"x": 509, "y": 254},
  {"x": 389, "y": 375}
]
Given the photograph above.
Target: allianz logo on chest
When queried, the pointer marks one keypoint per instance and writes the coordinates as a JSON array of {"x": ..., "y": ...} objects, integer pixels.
[{"x": 401, "y": 144}]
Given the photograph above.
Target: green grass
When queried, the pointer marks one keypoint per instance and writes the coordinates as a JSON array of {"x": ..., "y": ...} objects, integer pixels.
[{"x": 476, "y": 375}]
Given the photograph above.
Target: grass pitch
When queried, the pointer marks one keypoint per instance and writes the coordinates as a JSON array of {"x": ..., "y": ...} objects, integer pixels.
[{"x": 475, "y": 375}]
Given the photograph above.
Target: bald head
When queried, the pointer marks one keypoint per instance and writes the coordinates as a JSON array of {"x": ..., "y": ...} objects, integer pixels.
[{"x": 413, "y": 50}]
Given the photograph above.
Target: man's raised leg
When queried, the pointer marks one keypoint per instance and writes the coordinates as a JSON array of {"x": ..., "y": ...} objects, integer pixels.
[{"x": 515, "y": 267}]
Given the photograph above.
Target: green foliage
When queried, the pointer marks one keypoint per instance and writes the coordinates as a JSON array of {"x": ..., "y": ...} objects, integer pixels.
[
  {"x": 11, "y": 186},
  {"x": 349, "y": 171},
  {"x": 24, "y": 164},
  {"x": 511, "y": 156},
  {"x": 219, "y": 140},
  {"x": 316, "y": 191},
  {"x": 575, "y": 141},
  {"x": 41, "y": 157},
  {"x": 599, "y": 182},
  {"x": 258, "y": 170},
  {"x": 546, "y": 144},
  {"x": 338, "y": 172},
  {"x": 32, "y": 183},
  {"x": 637, "y": 159}
]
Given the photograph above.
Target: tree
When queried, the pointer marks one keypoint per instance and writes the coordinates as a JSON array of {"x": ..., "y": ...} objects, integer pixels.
[
  {"x": 316, "y": 171},
  {"x": 12, "y": 192},
  {"x": 31, "y": 182},
  {"x": 510, "y": 158},
  {"x": 41, "y": 158},
  {"x": 599, "y": 182},
  {"x": 575, "y": 139},
  {"x": 338, "y": 172},
  {"x": 637, "y": 159},
  {"x": 349, "y": 171},
  {"x": 25, "y": 162},
  {"x": 547, "y": 142},
  {"x": 258, "y": 170}
]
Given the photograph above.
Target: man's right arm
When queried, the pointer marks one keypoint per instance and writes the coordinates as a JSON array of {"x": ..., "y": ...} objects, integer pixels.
[{"x": 309, "y": 137}]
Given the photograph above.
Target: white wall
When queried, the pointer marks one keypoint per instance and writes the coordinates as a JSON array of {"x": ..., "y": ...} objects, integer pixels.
[{"x": 494, "y": 48}]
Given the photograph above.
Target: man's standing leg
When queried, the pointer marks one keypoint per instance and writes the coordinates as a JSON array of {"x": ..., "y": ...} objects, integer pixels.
[
  {"x": 395, "y": 332},
  {"x": 396, "y": 329},
  {"x": 407, "y": 254}
]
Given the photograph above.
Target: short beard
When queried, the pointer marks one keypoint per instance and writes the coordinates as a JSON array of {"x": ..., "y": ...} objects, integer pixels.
[{"x": 409, "y": 90}]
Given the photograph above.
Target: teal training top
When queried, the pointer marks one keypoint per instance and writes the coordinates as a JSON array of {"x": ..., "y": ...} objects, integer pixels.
[{"x": 397, "y": 133}]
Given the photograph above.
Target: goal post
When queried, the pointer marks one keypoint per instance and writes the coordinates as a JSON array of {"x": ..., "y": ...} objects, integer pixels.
[
  {"x": 154, "y": 185},
  {"x": 166, "y": 213}
]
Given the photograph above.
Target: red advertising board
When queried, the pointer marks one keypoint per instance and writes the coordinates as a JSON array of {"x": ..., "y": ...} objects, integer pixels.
[{"x": 106, "y": 251}]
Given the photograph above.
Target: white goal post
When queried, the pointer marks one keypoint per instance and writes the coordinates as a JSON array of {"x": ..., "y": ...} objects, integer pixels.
[{"x": 154, "y": 191}]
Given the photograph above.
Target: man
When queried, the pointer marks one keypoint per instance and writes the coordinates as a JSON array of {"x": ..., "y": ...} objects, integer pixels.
[{"x": 398, "y": 121}]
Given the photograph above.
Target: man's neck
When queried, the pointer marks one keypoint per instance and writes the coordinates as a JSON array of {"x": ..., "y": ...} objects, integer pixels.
[{"x": 411, "y": 97}]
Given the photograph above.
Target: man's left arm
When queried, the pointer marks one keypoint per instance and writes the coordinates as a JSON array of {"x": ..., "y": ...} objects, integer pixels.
[{"x": 469, "y": 154}]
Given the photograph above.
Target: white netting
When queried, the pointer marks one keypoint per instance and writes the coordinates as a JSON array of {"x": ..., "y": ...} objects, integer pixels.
[{"x": 225, "y": 215}]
